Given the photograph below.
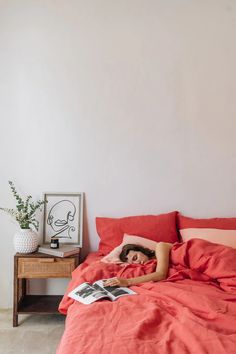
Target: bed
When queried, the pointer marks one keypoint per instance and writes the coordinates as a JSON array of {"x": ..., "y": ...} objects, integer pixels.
[{"x": 192, "y": 311}]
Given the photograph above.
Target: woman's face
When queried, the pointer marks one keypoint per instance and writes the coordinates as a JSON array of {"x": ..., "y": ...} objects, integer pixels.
[{"x": 137, "y": 257}]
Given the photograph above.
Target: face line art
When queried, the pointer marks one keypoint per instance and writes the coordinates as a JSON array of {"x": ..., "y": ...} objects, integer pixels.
[{"x": 61, "y": 223}]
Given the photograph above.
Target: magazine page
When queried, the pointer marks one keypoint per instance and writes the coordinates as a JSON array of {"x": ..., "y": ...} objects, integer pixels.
[
  {"x": 87, "y": 294},
  {"x": 114, "y": 292}
]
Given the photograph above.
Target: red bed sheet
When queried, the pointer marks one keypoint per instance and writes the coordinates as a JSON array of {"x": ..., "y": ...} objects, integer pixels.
[{"x": 192, "y": 311}]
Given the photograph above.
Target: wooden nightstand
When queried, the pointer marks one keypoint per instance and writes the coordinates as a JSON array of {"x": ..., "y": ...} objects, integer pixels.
[{"x": 37, "y": 266}]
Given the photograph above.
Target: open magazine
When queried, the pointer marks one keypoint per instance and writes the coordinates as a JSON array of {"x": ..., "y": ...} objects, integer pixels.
[{"x": 89, "y": 293}]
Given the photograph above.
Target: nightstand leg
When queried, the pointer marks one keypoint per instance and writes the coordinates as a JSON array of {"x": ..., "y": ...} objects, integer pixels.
[
  {"x": 15, "y": 296},
  {"x": 15, "y": 320},
  {"x": 15, "y": 304}
]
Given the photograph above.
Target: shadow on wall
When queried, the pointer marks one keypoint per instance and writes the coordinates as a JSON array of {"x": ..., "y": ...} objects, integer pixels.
[{"x": 86, "y": 243}]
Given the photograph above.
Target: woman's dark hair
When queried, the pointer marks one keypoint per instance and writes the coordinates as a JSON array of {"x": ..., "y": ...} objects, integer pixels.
[{"x": 130, "y": 247}]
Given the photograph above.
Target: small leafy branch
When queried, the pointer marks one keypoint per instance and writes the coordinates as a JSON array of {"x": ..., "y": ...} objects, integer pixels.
[{"x": 25, "y": 210}]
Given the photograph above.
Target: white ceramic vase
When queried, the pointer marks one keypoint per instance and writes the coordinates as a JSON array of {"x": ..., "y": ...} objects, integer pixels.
[{"x": 26, "y": 241}]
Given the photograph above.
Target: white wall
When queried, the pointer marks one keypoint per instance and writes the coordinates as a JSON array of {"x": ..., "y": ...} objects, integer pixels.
[{"x": 130, "y": 101}]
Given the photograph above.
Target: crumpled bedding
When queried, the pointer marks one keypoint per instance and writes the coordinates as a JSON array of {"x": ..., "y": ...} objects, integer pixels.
[{"x": 192, "y": 311}]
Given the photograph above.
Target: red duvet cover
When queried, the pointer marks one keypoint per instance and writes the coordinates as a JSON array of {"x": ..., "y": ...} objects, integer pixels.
[{"x": 192, "y": 311}]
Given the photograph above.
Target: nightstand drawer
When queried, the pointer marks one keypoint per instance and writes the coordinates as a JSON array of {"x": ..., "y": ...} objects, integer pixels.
[{"x": 45, "y": 267}]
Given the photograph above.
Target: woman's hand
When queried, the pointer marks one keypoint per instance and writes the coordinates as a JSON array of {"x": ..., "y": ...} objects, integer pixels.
[{"x": 116, "y": 282}]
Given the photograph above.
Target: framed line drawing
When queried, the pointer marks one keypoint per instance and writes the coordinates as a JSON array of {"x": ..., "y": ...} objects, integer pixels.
[{"x": 63, "y": 217}]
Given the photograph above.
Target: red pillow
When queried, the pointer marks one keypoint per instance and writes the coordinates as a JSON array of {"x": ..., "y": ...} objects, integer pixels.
[
  {"x": 217, "y": 230},
  {"x": 154, "y": 227},
  {"x": 185, "y": 222}
]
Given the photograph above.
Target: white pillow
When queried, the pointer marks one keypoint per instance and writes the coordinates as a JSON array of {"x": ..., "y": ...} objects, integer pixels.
[{"x": 113, "y": 256}]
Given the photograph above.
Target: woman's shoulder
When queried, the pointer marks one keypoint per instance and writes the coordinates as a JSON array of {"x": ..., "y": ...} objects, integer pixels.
[{"x": 164, "y": 245}]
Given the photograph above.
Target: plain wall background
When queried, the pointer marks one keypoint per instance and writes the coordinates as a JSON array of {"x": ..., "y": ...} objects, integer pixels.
[{"x": 132, "y": 102}]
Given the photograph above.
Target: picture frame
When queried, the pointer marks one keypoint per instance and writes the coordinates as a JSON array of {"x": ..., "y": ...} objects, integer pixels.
[{"x": 63, "y": 217}]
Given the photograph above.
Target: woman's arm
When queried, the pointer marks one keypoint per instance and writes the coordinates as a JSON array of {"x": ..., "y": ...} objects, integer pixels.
[
  {"x": 162, "y": 254},
  {"x": 163, "y": 257}
]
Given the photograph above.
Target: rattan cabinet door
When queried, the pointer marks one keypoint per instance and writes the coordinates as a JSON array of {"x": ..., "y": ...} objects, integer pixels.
[{"x": 45, "y": 267}]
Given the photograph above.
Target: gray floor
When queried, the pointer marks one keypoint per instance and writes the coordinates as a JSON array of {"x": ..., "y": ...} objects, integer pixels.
[{"x": 36, "y": 334}]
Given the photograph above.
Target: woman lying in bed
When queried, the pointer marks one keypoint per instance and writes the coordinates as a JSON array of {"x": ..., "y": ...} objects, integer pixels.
[{"x": 135, "y": 254}]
